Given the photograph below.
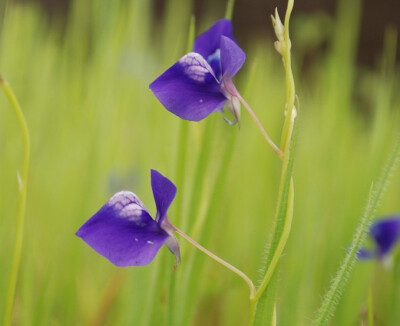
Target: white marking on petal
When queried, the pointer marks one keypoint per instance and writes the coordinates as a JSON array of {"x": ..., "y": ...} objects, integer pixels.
[
  {"x": 195, "y": 67},
  {"x": 132, "y": 212},
  {"x": 150, "y": 242},
  {"x": 123, "y": 198},
  {"x": 136, "y": 239}
]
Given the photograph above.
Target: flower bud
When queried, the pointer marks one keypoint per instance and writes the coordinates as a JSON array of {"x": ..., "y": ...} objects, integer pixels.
[{"x": 278, "y": 26}]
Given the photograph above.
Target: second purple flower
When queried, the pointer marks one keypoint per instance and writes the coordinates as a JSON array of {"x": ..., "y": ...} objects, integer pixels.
[{"x": 124, "y": 232}]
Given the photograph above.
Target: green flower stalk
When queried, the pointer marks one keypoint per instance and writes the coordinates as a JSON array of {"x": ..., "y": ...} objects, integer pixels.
[
  {"x": 23, "y": 181},
  {"x": 262, "y": 308}
]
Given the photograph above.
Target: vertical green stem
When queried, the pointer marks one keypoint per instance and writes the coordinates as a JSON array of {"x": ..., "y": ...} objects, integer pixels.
[
  {"x": 273, "y": 321},
  {"x": 395, "y": 300},
  {"x": 22, "y": 180},
  {"x": 180, "y": 177},
  {"x": 183, "y": 136},
  {"x": 290, "y": 86},
  {"x": 203, "y": 227},
  {"x": 284, "y": 212},
  {"x": 281, "y": 244},
  {"x": 181, "y": 166},
  {"x": 3, "y": 13},
  {"x": 229, "y": 9},
  {"x": 370, "y": 308},
  {"x": 201, "y": 172}
]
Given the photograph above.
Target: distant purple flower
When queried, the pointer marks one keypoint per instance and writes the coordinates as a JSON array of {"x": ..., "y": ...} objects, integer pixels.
[
  {"x": 124, "y": 232},
  {"x": 201, "y": 81},
  {"x": 385, "y": 233}
]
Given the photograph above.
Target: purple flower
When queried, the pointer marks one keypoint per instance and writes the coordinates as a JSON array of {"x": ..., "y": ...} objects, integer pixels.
[
  {"x": 200, "y": 82},
  {"x": 124, "y": 232},
  {"x": 385, "y": 233}
]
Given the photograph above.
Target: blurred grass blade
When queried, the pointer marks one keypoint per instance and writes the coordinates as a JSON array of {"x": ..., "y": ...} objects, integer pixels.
[
  {"x": 181, "y": 163},
  {"x": 183, "y": 137},
  {"x": 338, "y": 285},
  {"x": 273, "y": 322},
  {"x": 229, "y": 9},
  {"x": 395, "y": 311},
  {"x": 108, "y": 298},
  {"x": 370, "y": 307},
  {"x": 200, "y": 177},
  {"x": 191, "y": 34},
  {"x": 203, "y": 230},
  {"x": 22, "y": 187}
]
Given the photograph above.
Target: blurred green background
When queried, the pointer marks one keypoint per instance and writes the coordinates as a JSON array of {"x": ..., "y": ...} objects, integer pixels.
[{"x": 96, "y": 128}]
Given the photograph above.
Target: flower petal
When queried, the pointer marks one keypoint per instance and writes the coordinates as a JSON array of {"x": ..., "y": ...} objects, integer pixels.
[
  {"x": 386, "y": 233},
  {"x": 123, "y": 231},
  {"x": 232, "y": 57},
  {"x": 189, "y": 88},
  {"x": 364, "y": 254},
  {"x": 164, "y": 192},
  {"x": 208, "y": 42}
]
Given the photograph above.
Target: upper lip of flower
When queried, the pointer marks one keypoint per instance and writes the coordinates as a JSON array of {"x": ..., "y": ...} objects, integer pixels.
[
  {"x": 123, "y": 230},
  {"x": 193, "y": 87}
]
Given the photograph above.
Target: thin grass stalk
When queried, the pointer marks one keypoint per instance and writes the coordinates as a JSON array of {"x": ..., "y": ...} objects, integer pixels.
[
  {"x": 370, "y": 307},
  {"x": 22, "y": 189},
  {"x": 4, "y": 7},
  {"x": 108, "y": 298},
  {"x": 180, "y": 176},
  {"x": 230, "y": 5},
  {"x": 200, "y": 174},
  {"x": 183, "y": 137},
  {"x": 156, "y": 277},
  {"x": 394, "y": 311},
  {"x": 202, "y": 229}
]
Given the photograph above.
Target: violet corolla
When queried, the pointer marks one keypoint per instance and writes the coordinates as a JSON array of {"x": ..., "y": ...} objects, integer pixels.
[
  {"x": 124, "y": 232},
  {"x": 200, "y": 82},
  {"x": 386, "y": 234}
]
